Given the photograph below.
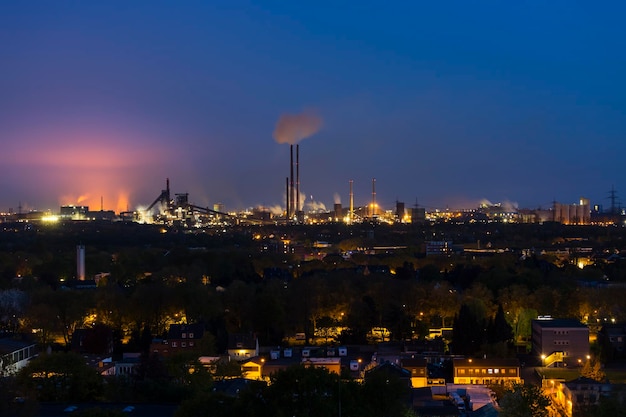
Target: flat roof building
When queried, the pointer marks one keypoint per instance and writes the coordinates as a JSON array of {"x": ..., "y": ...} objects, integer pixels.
[{"x": 559, "y": 341}]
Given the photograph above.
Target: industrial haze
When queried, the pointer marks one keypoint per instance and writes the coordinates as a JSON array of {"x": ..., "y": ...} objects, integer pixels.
[{"x": 446, "y": 104}]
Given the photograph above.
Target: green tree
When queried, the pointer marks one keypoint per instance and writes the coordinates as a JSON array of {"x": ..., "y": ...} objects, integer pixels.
[
  {"x": 593, "y": 369},
  {"x": 227, "y": 369},
  {"x": 397, "y": 321},
  {"x": 525, "y": 401},
  {"x": 610, "y": 406},
  {"x": 468, "y": 333},
  {"x": 499, "y": 329},
  {"x": 302, "y": 391},
  {"x": 60, "y": 377},
  {"x": 383, "y": 394}
]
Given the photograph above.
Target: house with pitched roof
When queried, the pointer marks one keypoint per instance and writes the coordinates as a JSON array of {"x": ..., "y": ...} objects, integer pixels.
[
  {"x": 242, "y": 346},
  {"x": 180, "y": 338},
  {"x": 418, "y": 367}
]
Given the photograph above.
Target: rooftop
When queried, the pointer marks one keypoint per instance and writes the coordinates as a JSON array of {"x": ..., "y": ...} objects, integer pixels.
[{"x": 554, "y": 323}]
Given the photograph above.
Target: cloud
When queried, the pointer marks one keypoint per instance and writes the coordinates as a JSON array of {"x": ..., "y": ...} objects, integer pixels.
[{"x": 292, "y": 128}]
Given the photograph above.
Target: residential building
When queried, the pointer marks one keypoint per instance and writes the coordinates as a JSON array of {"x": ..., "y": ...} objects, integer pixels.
[
  {"x": 14, "y": 355},
  {"x": 104, "y": 365},
  {"x": 576, "y": 396},
  {"x": 390, "y": 369},
  {"x": 331, "y": 364},
  {"x": 242, "y": 346},
  {"x": 612, "y": 339},
  {"x": 253, "y": 368},
  {"x": 418, "y": 367},
  {"x": 486, "y": 371},
  {"x": 180, "y": 337},
  {"x": 128, "y": 365},
  {"x": 560, "y": 341}
]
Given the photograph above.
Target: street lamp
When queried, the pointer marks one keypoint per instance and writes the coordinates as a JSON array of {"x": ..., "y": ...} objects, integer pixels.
[{"x": 543, "y": 360}]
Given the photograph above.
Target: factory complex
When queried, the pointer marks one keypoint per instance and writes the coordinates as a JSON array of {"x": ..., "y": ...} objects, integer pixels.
[{"x": 177, "y": 210}]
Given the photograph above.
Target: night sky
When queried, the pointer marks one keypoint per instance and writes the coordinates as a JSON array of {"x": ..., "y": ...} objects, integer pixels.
[{"x": 444, "y": 103}]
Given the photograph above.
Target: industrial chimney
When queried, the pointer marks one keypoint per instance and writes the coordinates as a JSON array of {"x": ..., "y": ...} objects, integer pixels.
[
  {"x": 291, "y": 187},
  {"x": 297, "y": 180},
  {"x": 373, "y": 211},
  {"x": 351, "y": 214},
  {"x": 287, "y": 197},
  {"x": 80, "y": 262}
]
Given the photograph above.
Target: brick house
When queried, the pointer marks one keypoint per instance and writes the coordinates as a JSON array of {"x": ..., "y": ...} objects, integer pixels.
[{"x": 180, "y": 338}]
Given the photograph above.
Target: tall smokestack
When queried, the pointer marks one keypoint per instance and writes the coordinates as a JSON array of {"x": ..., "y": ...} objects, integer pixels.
[
  {"x": 373, "y": 197},
  {"x": 297, "y": 179},
  {"x": 291, "y": 193},
  {"x": 351, "y": 215},
  {"x": 287, "y": 195}
]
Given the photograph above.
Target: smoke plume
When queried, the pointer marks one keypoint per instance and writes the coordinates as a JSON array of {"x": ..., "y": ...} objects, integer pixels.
[
  {"x": 337, "y": 198},
  {"x": 292, "y": 128}
]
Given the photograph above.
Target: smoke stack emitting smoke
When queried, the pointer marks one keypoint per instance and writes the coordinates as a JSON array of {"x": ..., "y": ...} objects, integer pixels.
[{"x": 291, "y": 129}]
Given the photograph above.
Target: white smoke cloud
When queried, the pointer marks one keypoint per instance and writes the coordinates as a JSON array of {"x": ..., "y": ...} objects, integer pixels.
[
  {"x": 276, "y": 210},
  {"x": 292, "y": 128},
  {"x": 507, "y": 206},
  {"x": 315, "y": 206},
  {"x": 337, "y": 198}
]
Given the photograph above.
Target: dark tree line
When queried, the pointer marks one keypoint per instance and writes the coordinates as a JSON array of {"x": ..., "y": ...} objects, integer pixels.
[{"x": 473, "y": 333}]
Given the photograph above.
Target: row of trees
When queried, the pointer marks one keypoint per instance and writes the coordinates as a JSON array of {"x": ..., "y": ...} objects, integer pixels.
[{"x": 276, "y": 308}]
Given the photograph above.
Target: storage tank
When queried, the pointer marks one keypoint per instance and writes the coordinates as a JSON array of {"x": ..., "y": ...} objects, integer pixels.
[{"x": 573, "y": 218}]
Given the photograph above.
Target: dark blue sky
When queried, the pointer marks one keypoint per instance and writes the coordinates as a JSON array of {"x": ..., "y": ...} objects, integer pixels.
[{"x": 446, "y": 103}]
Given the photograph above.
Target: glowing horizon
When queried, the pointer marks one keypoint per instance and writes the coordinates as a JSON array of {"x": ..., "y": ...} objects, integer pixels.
[{"x": 102, "y": 168}]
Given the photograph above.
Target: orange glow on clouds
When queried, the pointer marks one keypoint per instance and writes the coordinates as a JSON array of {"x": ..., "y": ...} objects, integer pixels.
[{"x": 85, "y": 167}]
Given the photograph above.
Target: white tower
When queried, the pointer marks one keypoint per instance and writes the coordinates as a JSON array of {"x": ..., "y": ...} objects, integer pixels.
[{"x": 80, "y": 262}]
